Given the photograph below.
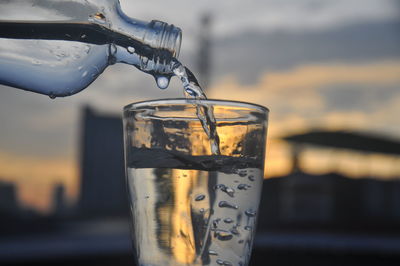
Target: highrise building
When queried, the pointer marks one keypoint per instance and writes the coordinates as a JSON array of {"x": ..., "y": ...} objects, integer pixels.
[{"x": 103, "y": 191}]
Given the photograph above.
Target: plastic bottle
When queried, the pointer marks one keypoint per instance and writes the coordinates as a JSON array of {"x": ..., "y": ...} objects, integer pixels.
[{"x": 58, "y": 48}]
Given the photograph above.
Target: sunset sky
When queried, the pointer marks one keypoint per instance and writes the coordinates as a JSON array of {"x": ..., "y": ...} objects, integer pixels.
[{"x": 332, "y": 64}]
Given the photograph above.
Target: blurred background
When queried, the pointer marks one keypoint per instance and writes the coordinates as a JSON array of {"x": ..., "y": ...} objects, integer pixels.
[{"x": 329, "y": 71}]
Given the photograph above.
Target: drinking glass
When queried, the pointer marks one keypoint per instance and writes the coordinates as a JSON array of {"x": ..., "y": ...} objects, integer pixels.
[{"x": 190, "y": 205}]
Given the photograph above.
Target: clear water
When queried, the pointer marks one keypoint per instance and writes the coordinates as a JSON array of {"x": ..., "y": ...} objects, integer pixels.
[
  {"x": 205, "y": 112},
  {"x": 193, "y": 210}
]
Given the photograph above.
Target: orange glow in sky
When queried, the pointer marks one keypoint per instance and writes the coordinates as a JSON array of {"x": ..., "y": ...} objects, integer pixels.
[{"x": 296, "y": 103}]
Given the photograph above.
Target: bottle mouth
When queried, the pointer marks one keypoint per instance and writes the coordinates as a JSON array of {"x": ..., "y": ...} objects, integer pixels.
[{"x": 169, "y": 37}]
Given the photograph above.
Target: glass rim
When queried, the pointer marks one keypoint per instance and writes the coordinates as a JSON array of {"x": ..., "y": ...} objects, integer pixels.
[{"x": 214, "y": 102}]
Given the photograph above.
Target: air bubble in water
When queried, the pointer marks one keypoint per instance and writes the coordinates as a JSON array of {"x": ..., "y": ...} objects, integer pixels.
[
  {"x": 227, "y": 263},
  {"x": 242, "y": 173},
  {"x": 191, "y": 92},
  {"x": 162, "y": 82},
  {"x": 212, "y": 252},
  {"x": 228, "y": 190},
  {"x": 219, "y": 262},
  {"x": 200, "y": 197},
  {"x": 223, "y": 235},
  {"x": 250, "y": 213},
  {"x": 84, "y": 74},
  {"x": 228, "y": 220},
  {"x": 218, "y": 186},
  {"x": 215, "y": 222},
  {"x": 225, "y": 204},
  {"x": 243, "y": 186},
  {"x": 234, "y": 231},
  {"x": 130, "y": 49}
]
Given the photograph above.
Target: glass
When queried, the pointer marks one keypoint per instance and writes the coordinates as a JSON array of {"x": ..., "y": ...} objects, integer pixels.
[{"x": 190, "y": 207}]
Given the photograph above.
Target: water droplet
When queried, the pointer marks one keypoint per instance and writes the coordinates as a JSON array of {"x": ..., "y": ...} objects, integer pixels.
[
  {"x": 130, "y": 49},
  {"x": 212, "y": 252},
  {"x": 202, "y": 210},
  {"x": 228, "y": 220},
  {"x": 80, "y": 67},
  {"x": 234, "y": 231},
  {"x": 241, "y": 241},
  {"x": 228, "y": 190},
  {"x": 190, "y": 92},
  {"x": 250, "y": 213},
  {"x": 52, "y": 96},
  {"x": 99, "y": 17},
  {"x": 162, "y": 82},
  {"x": 242, "y": 173},
  {"x": 224, "y": 204},
  {"x": 83, "y": 36},
  {"x": 84, "y": 74},
  {"x": 227, "y": 263},
  {"x": 223, "y": 235},
  {"x": 243, "y": 186},
  {"x": 36, "y": 62},
  {"x": 214, "y": 148},
  {"x": 219, "y": 262},
  {"x": 219, "y": 186},
  {"x": 248, "y": 228},
  {"x": 251, "y": 178},
  {"x": 200, "y": 197},
  {"x": 215, "y": 222}
]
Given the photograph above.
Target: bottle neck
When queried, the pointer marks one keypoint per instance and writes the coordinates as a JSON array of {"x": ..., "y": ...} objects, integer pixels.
[{"x": 155, "y": 43}]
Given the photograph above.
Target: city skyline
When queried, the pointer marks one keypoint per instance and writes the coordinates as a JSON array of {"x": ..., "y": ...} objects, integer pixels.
[{"x": 334, "y": 65}]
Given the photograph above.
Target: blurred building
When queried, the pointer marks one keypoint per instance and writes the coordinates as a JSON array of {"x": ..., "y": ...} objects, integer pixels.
[
  {"x": 333, "y": 201},
  {"x": 330, "y": 201},
  {"x": 103, "y": 191},
  {"x": 9, "y": 206},
  {"x": 60, "y": 207},
  {"x": 204, "y": 64}
]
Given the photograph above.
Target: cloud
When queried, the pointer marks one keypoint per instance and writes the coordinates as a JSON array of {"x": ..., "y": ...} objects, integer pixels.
[
  {"x": 298, "y": 99},
  {"x": 265, "y": 15},
  {"x": 248, "y": 55}
]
